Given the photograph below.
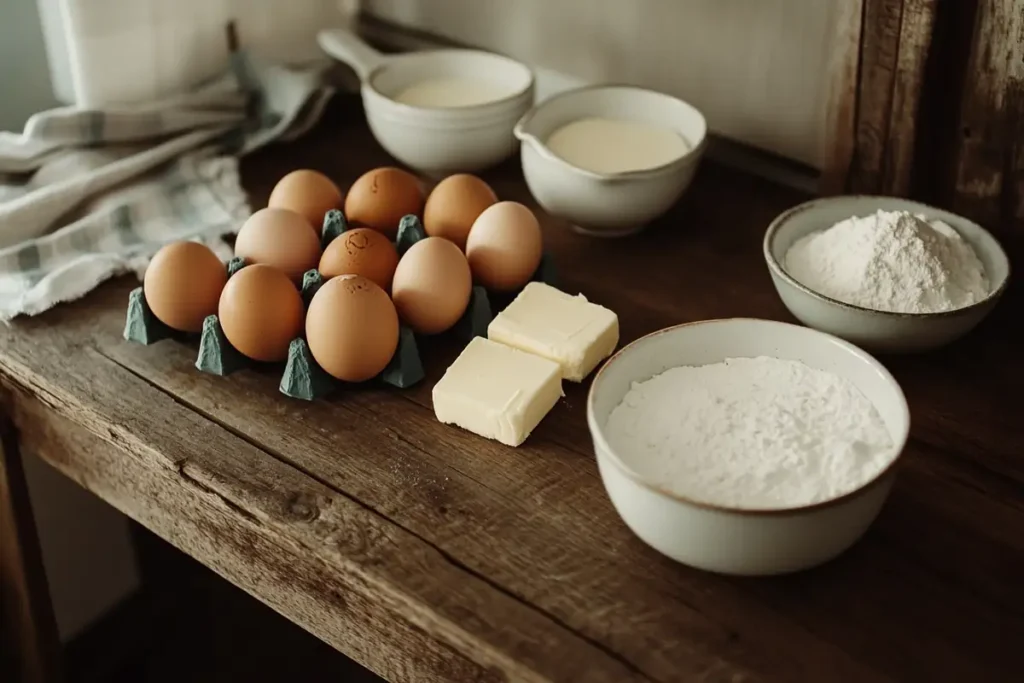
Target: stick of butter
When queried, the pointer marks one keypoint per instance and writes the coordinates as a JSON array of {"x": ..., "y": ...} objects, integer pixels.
[
  {"x": 497, "y": 392},
  {"x": 569, "y": 330}
]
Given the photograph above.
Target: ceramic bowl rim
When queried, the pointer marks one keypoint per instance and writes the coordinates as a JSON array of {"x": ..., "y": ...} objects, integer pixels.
[
  {"x": 688, "y": 157},
  {"x": 602, "y": 445},
  {"x": 368, "y": 82},
  {"x": 777, "y": 268}
]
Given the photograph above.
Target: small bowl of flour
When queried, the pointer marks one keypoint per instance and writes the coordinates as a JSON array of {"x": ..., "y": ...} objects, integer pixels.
[
  {"x": 746, "y": 446},
  {"x": 887, "y": 274}
]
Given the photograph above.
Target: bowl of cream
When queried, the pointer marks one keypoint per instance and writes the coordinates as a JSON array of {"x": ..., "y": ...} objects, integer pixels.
[
  {"x": 746, "y": 446},
  {"x": 438, "y": 111},
  {"x": 888, "y": 274},
  {"x": 610, "y": 159}
]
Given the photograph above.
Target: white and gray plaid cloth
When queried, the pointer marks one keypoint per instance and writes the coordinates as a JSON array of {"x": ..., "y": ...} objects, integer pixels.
[{"x": 86, "y": 195}]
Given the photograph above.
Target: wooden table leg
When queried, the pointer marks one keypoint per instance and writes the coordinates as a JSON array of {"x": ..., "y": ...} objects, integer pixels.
[{"x": 28, "y": 631}]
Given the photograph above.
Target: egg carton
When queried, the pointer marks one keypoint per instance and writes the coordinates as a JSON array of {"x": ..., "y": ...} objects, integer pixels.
[{"x": 302, "y": 377}]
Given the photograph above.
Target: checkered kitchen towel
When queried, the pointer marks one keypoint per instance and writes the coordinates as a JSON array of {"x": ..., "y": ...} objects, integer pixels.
[{"x": 86, "y": 195}]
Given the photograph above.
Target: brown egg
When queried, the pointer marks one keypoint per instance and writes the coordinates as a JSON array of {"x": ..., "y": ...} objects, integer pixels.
[
  {"x": 183, "y": 284},
  {"x": 504, "y": 246},
  {"x": 352, "y": 328},
  {"x": 309, "y": 194},
  {"x": 261, "y": 312},
  {"x": 361, "y": 251},
  {"x": 279, "y": 238},
  {"x": 379, "y": 199},
  {"x": 454, "y": 204},
  {"x": 432, "y": 285}
]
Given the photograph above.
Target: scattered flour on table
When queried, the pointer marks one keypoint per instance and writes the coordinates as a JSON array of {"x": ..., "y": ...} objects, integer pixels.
[
  {"x": 890, "y": 261},
  {"x": 751, "y": 433}
]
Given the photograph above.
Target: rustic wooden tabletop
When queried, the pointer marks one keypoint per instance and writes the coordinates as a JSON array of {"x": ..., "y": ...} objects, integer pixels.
[{"x": 429, "y": 554}]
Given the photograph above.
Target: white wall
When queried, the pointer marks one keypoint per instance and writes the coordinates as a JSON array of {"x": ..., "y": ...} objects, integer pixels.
[
  {"x": 136, "y": 50},
  {"x": 756, "y": 68}
]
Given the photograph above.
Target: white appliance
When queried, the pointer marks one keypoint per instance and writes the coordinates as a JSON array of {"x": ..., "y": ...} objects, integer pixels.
[{"x": 118, "y": 51}]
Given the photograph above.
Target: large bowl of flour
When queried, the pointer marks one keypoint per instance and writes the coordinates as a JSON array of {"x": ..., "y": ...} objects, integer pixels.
[
  {"x": 746, "y": 446},
  {"x": 887, "y": 274}
]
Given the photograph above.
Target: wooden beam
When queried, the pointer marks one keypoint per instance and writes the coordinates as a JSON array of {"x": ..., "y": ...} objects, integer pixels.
[
  {"x": 841, "y": 105},
  {"x": 915, "y": 43},
  {"x": 28, "y": 630},
  {"x": 989, "y": 173},
  {"x": 896, "y": 39}
]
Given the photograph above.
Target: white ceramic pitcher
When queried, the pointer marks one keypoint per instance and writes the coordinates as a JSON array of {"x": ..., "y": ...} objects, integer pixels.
[{"x": 437, "y": 140}]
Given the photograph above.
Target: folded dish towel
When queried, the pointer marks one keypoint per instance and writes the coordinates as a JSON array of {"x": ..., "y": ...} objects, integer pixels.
[{"x": 86, "y": 195}]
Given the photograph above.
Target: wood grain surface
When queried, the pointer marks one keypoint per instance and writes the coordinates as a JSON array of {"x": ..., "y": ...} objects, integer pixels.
[
  {"x": 29, "y": 644},
  {"x": 427, "y": 553},
  {"x": 839, "y": 141},
  {"x": 989, "y": 174},
  {"x": 895, "y": 41}
]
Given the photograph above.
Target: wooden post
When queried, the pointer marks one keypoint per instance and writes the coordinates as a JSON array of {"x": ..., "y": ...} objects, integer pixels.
[
  {"x": 28, "y": 632},
  {"x": 841, "y": 107},
  {"x": 989, "y": 172},
  {"x": 895, "y": 39}
]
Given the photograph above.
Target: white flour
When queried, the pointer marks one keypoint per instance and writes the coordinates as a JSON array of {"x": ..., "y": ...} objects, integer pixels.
[
  {"x": 890, "y": 261},
  {"x": 751, "y": 433}
]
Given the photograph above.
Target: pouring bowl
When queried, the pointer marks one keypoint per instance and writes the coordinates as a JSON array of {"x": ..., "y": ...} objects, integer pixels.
[
  {"x": 437, "y": 140},
  {"x": 608, "y": 204}
]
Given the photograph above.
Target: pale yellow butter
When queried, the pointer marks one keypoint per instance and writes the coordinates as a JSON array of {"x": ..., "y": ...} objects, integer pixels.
[
  {"x": 566, "y": 329},
  {"x": 497, "y": 392}
]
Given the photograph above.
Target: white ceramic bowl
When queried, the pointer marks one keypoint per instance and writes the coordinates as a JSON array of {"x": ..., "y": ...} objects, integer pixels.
[
  {"x": 730, "y": 540},
  {"x": 436, "y": 141},
  {"x": 608, "y": 204},
  {"x": 878, "y": 330}
]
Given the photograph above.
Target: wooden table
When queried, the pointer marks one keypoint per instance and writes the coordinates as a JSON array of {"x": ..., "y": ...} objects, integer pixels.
[{"x": 429, "y": 554}]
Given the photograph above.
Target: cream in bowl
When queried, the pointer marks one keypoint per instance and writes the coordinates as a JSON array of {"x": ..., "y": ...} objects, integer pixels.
[
  {"x": 602, "y": 145},
  {"x": 610, "y": 159},
  {"x": 746, "y": 446},
  {"x": 451, "y": 93},
  {"x": 887, "y": 274}
]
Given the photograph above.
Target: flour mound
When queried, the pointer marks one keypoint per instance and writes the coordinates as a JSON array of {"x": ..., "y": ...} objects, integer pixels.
[
  {"x": 890, "y": 261},
  {"x": 748, "y": 433}
]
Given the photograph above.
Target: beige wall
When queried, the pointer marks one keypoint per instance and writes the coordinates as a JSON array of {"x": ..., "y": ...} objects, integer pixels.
[{"x": 756, "y": 68}]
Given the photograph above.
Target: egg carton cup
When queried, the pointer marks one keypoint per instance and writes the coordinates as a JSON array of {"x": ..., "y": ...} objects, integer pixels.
[{"x": 302, "y": 377}]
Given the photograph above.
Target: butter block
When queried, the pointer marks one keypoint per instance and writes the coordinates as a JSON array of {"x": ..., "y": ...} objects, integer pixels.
[
  {"x": 566, "y": 329},
  {"x": 497, "y": 392}
]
